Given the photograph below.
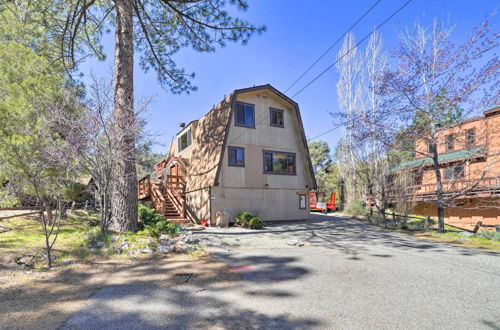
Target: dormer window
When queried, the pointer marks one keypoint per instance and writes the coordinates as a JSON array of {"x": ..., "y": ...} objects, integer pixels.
[{"x": 184, "y": 140}]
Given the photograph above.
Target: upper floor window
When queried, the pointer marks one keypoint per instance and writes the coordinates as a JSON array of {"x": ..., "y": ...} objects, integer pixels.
[
  {"x": 431, "y": 147},
  {"x": 449, "y": 142},
  {"x": 245, "y": 115},
  {"x": 276, "y": 162},
  {"x": 277, "y": 117},
  {"x": 454, "y": 172},
  {"x": 184, "y": 140},
  {"x": 236, "y": 156},
  {"x": 470, "y": 137}
]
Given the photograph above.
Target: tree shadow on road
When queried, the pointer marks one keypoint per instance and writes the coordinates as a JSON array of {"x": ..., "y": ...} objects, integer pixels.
[
  {"x": 351, "y": 237},
  {"x": 190, "y": 292},
  {"x": 178, "y": 307}
]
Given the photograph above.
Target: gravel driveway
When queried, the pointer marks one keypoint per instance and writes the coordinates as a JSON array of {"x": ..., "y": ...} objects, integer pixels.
[{"x": 347, "y": 275}]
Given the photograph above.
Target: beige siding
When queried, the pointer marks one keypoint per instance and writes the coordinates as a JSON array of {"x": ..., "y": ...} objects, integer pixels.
[
  {"x": 265, "y": 137},
  {"x": 269, "y": 204},
  {"x": 273, "y": 197},
  {"x": 198, "y": 204}
]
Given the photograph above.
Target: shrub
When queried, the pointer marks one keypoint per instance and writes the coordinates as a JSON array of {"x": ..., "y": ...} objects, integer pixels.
[
  {"x": 155, "y": 223},
  {"x": 356, "y": 208},
  {"x": 92, "y": 221},
  {"x": 7, "y": 199},
  {"x": 248, "y": 220},
  {"x": 495, "y": 236},
  {"x": 149, "y": 216}
]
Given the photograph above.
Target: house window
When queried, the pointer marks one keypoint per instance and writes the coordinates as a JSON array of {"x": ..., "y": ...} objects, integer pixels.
[
  {"x": 276, "y": 162},
  {"x": 245, "y": 115},
  {"x": 454, "y": 172},
  {"x": 302, "y": 201},
  {"x": 449, "y": 141},
  {"x": 431, "y": 147},
  {"x": 277, "y": 117},
  {"x": 236, "y": 156},
  {"x": 470, "y": 137},
  {"x": 184, "y": 140}
]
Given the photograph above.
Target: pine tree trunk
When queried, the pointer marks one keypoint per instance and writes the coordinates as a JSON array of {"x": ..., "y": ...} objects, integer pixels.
[{"x": 124, "y": 199}]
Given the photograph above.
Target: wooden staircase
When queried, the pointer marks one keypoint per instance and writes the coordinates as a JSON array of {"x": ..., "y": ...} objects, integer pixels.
[{"x": 167, "y": 202}]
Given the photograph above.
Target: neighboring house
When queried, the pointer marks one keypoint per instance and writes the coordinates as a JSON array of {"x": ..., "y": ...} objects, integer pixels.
[
  {"x": 469, "y": 154},
  {"x": 249, "y": 153}
]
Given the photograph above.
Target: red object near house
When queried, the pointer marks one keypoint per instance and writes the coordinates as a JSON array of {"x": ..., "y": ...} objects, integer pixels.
[
  {"x": 317, "y": 202},
  {"x": 331, "y": 206}
]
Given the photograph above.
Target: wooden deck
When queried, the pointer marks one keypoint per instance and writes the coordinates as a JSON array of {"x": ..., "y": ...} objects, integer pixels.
[{"x": 467, "y": 188}]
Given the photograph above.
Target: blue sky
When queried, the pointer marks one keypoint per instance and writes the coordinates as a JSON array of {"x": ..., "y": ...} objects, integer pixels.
[{"x": 298, "y": 32}]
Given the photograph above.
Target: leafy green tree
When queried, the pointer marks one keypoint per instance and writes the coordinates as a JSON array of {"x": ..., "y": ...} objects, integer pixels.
[
  {"x": 324, "y": 170},
  {"x": 29, "y": 83},
  {"x": 154, "y": 29}
]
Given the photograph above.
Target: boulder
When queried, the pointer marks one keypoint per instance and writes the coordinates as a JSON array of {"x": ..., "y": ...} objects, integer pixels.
[
  {"x": 147, "y": 249},
  {"x": 165, "y": 249},
  {"x": 26, "y": 261}
]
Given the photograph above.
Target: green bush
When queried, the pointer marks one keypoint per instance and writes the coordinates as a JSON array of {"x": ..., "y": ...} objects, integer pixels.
[
  {"x": 148, "y": 216},
  {"x": 156, "y": 224},
  {"x": 248, "y": 220},
  {"x": 356, "y": 208},
  {"x": 495, "y": 236},
  {"x": 7, "y": 199}
]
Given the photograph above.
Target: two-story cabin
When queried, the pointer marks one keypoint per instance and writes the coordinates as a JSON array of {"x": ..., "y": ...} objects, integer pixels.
[
  {"x": 249, "y": 153},
  {"x": 469, "y": 157}
]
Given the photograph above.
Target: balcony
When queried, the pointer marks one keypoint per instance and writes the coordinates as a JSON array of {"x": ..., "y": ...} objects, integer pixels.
[{"x": 469, "y": 188}]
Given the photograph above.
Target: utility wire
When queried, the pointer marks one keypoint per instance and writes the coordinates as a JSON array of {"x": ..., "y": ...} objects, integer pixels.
[
  {"x": 354, "y": 47},
  {"x": 333, "y": 45},
  {"x": 326, "y": 132}
]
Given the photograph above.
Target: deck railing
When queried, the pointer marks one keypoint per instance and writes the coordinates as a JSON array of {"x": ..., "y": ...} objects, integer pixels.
[
  {"x": 465, "y": 186},
  {"x": 144, "y": 187},
  {"x": 174, "y": 185}
]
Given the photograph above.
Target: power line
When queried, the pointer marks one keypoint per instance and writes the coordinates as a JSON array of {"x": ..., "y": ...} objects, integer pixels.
[
  {"x": 476, "y": 56},
  {"x": 333, "y": 45},
  {"x": 354, "y": 47},
  {"x": 330, "y": 130}
]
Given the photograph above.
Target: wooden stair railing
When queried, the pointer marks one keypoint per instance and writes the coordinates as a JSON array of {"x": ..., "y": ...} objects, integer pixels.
[
  {"x": 175, "y": 190},
  {"x": 144, "y": 187}
]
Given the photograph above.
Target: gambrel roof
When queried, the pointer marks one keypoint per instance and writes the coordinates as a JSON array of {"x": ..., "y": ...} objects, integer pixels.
[{"x": 210, "y": 138}]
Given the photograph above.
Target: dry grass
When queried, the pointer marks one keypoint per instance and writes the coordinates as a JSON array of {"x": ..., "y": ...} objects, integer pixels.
[{"x": 45, "y": 299}]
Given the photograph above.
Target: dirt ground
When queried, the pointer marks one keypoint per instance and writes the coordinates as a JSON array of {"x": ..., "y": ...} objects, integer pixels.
[{"x": 45, "y": 299}]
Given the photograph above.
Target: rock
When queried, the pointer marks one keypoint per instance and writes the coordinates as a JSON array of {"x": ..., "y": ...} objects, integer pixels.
[
  {"x": 96, "y": 245},
  {"x": 147, "y": 249},
  {"x": 465, "y": 233},
  {"x": 165, "y": 249},
  {"x": 190, "y": 238},
  {"x": 115, "y": 238},
  {"x": 26, "y": 261},
  {"x": 67, "y": 262},
  {"x": 4, "y": 229},
  {"x": 165, "y": 240},
  {"x": 295, "y": 242}
]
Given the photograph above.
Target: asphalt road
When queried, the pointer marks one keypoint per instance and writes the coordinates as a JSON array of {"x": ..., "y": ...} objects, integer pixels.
[{"x": 348, "y": 275}]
